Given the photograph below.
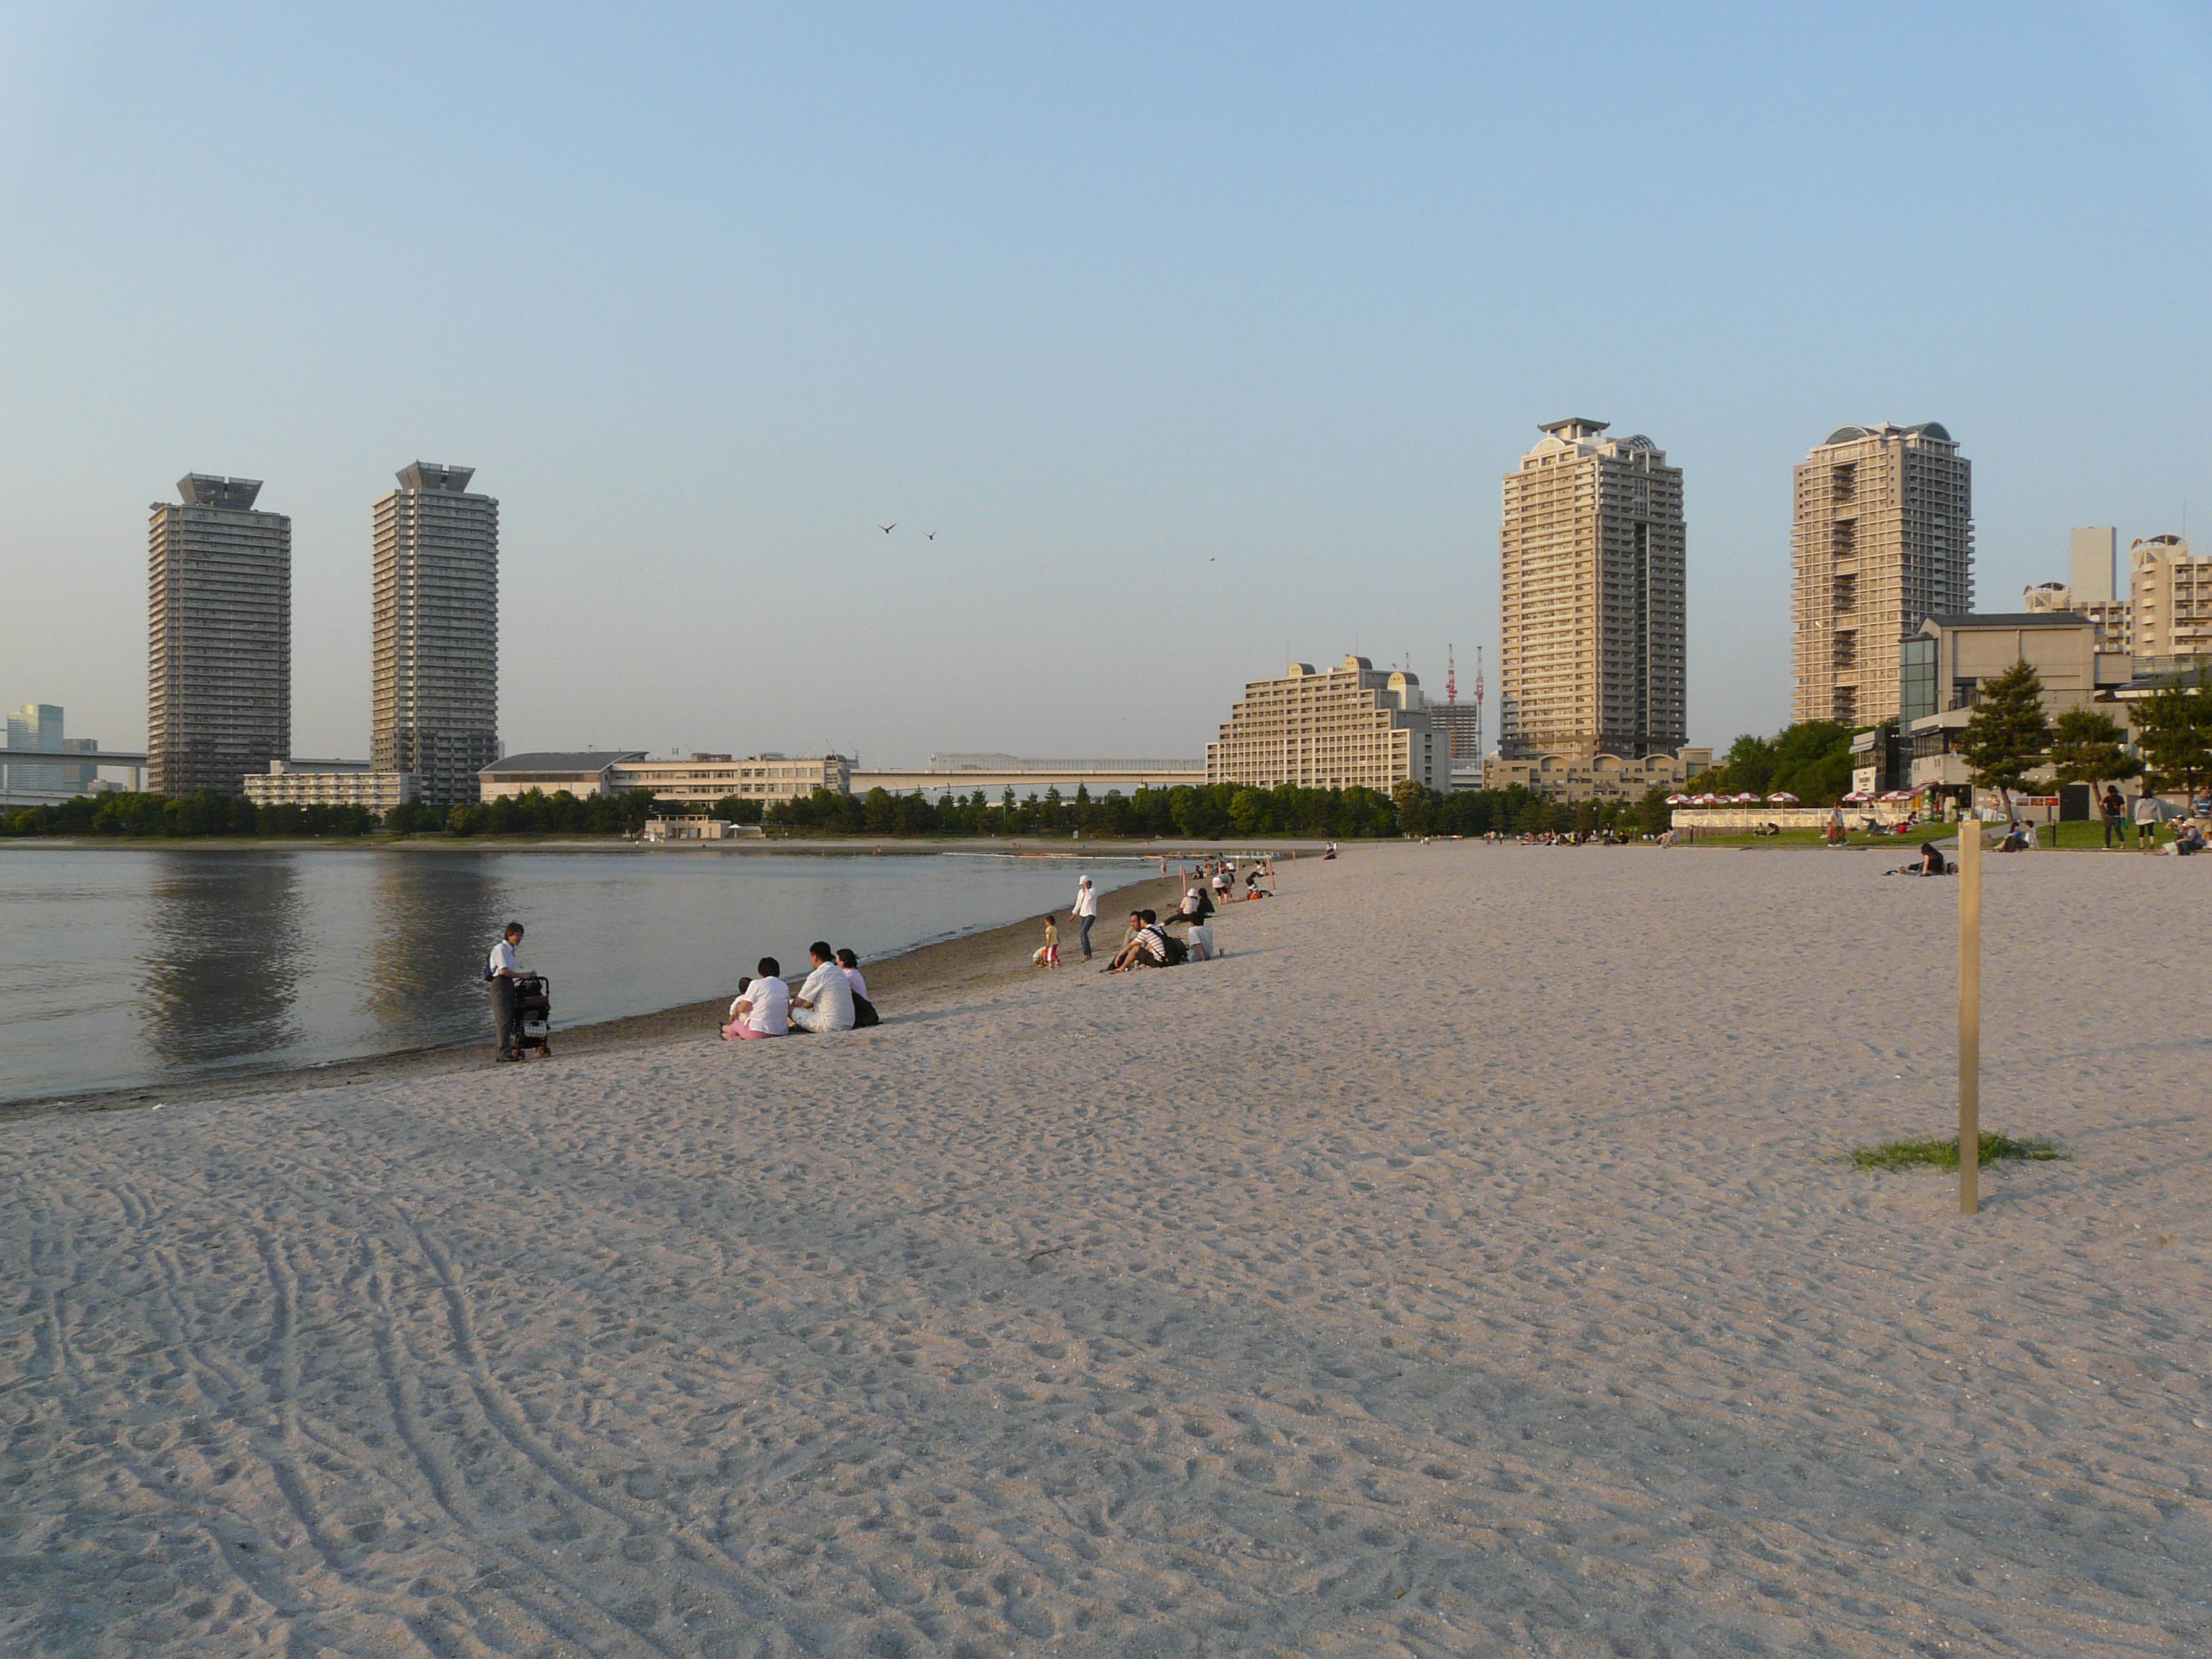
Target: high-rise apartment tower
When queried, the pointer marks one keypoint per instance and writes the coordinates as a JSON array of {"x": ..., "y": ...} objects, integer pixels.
[
  {"x": 219, "y": 637},
  {"x": 1592, "y": 659},
  {"x": 1883, "y": 539},
  {"x": 434, "y": 691}
]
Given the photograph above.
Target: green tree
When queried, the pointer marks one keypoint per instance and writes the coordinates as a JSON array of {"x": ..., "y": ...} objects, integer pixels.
[
  {"x": 2173, "y": 730},
  {"x": 2009, "y": 734},
  {"x": 2086, "y": 747}
]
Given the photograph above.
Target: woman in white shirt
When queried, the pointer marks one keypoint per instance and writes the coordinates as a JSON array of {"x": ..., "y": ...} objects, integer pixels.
[{"x": 763, "y": 1009}]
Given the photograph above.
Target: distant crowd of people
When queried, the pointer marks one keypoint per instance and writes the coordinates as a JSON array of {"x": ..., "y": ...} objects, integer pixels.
[{"x": 833, "y": 996}]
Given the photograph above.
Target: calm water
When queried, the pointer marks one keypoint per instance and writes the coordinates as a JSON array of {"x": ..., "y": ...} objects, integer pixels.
[{"x": 119, "y": 967}]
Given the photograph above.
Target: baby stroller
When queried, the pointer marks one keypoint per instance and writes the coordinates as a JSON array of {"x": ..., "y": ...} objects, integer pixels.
[{"x": 533, "y": 1014}]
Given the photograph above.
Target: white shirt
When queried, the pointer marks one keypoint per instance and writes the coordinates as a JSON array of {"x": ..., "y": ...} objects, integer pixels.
[
  {"x": 503, "y": 955},
  {"x": 860, "y": 986},
  {"x": 831, "y": 995},
  {"x": 2149, "y": 808},
  {"x": 1086, "y": 900},
  {"x": 769, "y": 1010}
]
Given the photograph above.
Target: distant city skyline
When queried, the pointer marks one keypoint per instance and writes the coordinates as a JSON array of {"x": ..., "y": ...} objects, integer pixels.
[{"x": 1147, "y": 316}]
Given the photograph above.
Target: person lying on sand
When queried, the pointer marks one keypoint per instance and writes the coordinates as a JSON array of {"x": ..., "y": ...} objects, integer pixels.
[{"x": 763, "y": 1008}]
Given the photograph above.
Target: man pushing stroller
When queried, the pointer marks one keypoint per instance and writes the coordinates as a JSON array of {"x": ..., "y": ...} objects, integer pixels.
[{"x": 507, "y": 976}]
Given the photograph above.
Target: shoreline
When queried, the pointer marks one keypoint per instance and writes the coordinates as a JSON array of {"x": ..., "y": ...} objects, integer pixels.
[
  {"x": 1134, "y": 850},
  {"x": 921, "y": 977}
]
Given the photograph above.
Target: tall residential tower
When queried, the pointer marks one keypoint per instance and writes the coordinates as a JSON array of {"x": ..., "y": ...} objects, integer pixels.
[
  {"x": 433, "y": 688},
  {"x": 1883, "y": 539},
  {"x": 1592, "y": 659},
  {"x": 219, "y": 645}
]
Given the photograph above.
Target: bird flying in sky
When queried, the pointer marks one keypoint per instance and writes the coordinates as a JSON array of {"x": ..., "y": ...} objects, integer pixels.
[{"x": 887, "y": 528}]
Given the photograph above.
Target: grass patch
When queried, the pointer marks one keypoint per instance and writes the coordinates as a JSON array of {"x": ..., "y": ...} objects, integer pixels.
[{"x": 1944, "y": 1154}]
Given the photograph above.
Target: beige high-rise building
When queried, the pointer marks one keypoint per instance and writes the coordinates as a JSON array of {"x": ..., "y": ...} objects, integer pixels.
[
  {"x": 1592, "y": 657},
  {"x": 2172, "y": 591},
  {"x": 1884, "y": 538},
  {"x": 219, "y": 637},
  {"x": 1351, "y": 724},
  {"x": 434, "y": 673}
]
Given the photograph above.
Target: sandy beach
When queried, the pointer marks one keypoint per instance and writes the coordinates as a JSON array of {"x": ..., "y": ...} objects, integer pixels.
[{"x": 1459, "y": 1268}]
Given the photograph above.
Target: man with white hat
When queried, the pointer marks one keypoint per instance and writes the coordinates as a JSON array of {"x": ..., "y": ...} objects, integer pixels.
[{"x": 1086, "y": 912}]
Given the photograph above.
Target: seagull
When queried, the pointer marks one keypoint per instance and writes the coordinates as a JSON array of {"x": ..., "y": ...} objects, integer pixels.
[
  {"x": 931, "y": 537},
  {"x": 887, "y": 528}
]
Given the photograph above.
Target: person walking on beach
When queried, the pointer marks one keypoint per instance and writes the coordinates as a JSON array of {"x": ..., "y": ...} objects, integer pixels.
[
  {"x": 2116, "y": 818},
  {"x": 1086, "y": 912},
  {"x": 502, "y": 969}
]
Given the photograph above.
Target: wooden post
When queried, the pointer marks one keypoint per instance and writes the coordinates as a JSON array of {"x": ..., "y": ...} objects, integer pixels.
[{"x": 1970, "y": 1015}]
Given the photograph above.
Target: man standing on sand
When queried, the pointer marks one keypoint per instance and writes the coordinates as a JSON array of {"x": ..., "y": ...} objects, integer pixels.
[
  {"x": 502, "y": 969},
  {"x": 1086, "y": 912},
  {"x": 2116, "y": 816}
]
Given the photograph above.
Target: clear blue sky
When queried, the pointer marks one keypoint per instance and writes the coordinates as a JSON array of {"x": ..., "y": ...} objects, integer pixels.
[{"x": 1193, "y": 332}]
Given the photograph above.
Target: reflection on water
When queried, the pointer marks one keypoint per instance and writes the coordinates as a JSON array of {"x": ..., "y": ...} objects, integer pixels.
[
  {"x": 434, "y": 921},
  {"x": 120, "y": 966},
  {"x": 217, "y": 953}
]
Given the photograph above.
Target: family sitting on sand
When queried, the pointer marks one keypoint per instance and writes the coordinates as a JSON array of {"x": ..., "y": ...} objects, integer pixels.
[{"x": 835, "y": 998}]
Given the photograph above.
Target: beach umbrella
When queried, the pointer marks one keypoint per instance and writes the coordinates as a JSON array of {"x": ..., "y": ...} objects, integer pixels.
[
  {"x": 1899, "y": 794},
  {"x": 1746, "y": 799},
  {"x": 1678, "y": 800},
  {"x": 1785, "y": 798}
]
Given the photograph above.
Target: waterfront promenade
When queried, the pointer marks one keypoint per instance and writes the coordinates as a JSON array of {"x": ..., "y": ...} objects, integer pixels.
[{"x": 1457, "y": 1268}]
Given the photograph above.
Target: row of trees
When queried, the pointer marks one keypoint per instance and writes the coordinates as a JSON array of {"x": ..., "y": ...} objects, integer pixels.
[
  {"x": 209, "y": 812},
  {"x": 1811, "y": 760},
  {"x": 2010, "y": 736},
  {"x": 1208, "y": 811}
]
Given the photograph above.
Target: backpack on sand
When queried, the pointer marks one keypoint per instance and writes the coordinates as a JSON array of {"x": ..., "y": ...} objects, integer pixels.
[{"x": 864, "y": 1012}]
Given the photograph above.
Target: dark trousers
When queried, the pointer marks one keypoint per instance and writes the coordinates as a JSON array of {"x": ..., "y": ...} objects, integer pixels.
[
  {"x": 1083, "y": 934},
  {"x": 2115, "y": 829},
  {"x": 502, "y": 1013}
]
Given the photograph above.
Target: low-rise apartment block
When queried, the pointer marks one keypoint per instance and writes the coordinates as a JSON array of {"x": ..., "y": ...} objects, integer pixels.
[
  {"x": 329, "y": 783},
  {"x": 2172, "y": 588},
  {"x": 1350, "y": 726},
  {"x": 1573, "y": 777},
  {"x": 702, "y": 779}
]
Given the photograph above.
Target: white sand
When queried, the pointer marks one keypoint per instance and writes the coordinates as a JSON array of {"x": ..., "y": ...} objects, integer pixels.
[{"x": 1452, "y": 1270}]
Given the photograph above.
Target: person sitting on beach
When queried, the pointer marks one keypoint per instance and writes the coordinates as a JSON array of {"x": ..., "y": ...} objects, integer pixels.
[
  {"x": 1197, "y": 904},
  {"x": 2015, "y": 839},
  {"x": 1150, "y": 947},
  {"x": 1200, "y": 942},
  {"x": 763, "y": 1008},
  {"x": 851, "y": 964},
  {"x": 824, "y": 1003},
  {"x": 1931, "y": 864},
  {"x": 2188, "y": 840},
  {"x": 1046, "y": 955},
  {"x": 864, "y": 1011}
]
